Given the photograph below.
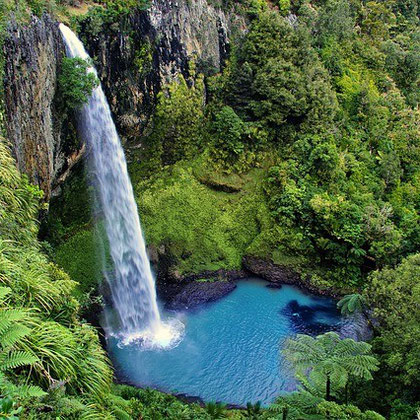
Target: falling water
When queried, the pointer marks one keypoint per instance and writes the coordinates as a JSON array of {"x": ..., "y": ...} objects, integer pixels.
[{"x": 132, "y": 285}]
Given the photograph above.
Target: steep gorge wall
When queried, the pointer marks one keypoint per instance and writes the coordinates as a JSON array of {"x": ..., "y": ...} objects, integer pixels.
[
  {"x": 35, "y": 129},
  {"x": 134, "y": 57}
]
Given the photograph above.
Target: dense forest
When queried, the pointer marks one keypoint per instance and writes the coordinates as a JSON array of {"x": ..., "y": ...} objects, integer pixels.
[{"x": 302, "y": 149}]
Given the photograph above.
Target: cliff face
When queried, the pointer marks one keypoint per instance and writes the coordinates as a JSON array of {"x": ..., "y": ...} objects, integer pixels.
[
  {"x": 134, "y": 58},
  {"x": 138, "y": 55},
  {"x": 33, "y": 56}
]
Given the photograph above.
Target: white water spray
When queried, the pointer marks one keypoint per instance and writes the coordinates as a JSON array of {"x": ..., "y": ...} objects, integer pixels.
[{"x": 132, "y": 286}]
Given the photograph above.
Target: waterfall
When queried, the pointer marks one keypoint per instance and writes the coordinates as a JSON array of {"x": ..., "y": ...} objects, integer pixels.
[{"x": 132, "y": 284}]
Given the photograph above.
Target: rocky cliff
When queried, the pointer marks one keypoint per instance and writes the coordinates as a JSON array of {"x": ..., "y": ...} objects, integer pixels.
[
  {"x": 34, "y": 127},
  {"x": 139, "y": 54},
  {"x": 134, "y": 56}
]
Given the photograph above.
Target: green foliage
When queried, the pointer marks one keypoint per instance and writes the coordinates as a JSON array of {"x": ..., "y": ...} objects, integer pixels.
[
  {"x": 394, "y": 294},
  {"x": 18, "y": 202},
  {"x": 38, "y": 319},
  {"x": 334, "y": 411},
  {"x": 326, "y": 362},
  {"x": 13, "y": 330},
  {"x": 80, "y": 257},
  {"x": 216, "y": 410},
  {"x": 8, "y": 410},
  {"x": 106, "y": 13},
  {"x": 177, "y": 124},
  {"x": 151, "y": 404},
  {"x": 143, "y": 59},
  {"x": 228, "y": 132},
  {"x": 75, "y": 82},
  {"x": 199, "y": 228},
  {"x": 351, "y": 303},
  {"x": 254, "y": 410},
  {"x": 278, "y": 79},
  {"x": 303, "y": 405},
  {"x": 71, "y": 211},
  {"x": 284, "y": 6},
  {"x": 336, "y": 21}
]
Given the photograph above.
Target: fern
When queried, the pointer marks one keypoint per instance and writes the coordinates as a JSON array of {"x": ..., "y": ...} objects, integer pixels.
[
  {"x": 19, "y": 391},
  {"x": 351, "y": 304},
  {"x": 327, "y": 361},
  {"x": 16, "y": 359},
  {"x": 4, "y": 291}
]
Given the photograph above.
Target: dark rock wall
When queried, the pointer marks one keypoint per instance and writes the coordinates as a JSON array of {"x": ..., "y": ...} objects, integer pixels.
[{"x": 33, "y": 55}]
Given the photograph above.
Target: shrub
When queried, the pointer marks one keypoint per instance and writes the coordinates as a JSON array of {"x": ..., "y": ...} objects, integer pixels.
[{"x": 75, "y": 82}]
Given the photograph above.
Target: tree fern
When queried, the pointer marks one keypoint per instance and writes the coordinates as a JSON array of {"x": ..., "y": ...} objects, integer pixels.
[
  {"x": 296, "y": 406},
  {"x": 351, "y": 304},
  {"x": 328, "y": 361}
]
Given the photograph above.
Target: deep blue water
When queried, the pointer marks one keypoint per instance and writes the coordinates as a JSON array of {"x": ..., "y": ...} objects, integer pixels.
[{"x": 231, "y": 348}]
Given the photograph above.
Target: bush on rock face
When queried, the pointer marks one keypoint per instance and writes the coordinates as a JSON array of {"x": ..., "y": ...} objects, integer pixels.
[{"x": 75, "y": 82}]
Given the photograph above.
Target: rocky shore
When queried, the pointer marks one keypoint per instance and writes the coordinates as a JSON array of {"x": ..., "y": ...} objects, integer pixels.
[
  {"x": 186, "y": 292},
  {"x": 197, "y": 293},
  {"x": 278, "y": 274}
]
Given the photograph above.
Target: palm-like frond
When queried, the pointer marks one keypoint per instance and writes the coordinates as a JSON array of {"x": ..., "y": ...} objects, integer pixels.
[
  {"x": 351, "y": 303},
  {"x": 13, "y": 334},
  {"x": 361, "y": 365},
  {"x": 298, "y": 406},
  {"x": 303, "y": 351},
  {"x": 16, "y": 359},
  {"x": 9, "y": 318},
  {"x": 329, "y": 358}
]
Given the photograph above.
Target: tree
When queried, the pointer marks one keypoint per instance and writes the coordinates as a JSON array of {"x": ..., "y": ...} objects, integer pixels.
[
  {"x": 177, "y": 124},
  {"x": 253, "y": 411},
  {"x": 394, "y": 295},
  {"x": 328, "y": 361},
  {"x": 295, "y": 406},
  {"x": 278, "y": 79},
  {"x": 216, "y": 410},
  {"x": 333, "y": 411},
  {"x": 303, "y": 405},
  {"x": 228, "y": 131}
]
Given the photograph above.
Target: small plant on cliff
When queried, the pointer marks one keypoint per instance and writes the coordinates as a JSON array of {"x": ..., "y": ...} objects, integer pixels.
[{"x": 75, "y": 82}]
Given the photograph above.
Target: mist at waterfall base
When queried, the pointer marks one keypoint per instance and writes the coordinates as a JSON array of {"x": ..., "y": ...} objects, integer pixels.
[
  {"x": 231, "y": 350},
  {"x": 131, "y": 284}
]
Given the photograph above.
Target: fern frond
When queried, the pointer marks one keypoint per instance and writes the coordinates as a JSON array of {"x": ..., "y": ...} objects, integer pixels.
[
  {"x": 23, "y": 391},
  {"x": 16, "y": 359},
  {"x": 13, "y": 334},
  {"x": 4, "y": 291},
  {"x": 9, "y": 316}
]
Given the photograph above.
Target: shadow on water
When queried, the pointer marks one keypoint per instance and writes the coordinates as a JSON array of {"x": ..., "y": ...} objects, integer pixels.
[{"x": 307, "y": 319}]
